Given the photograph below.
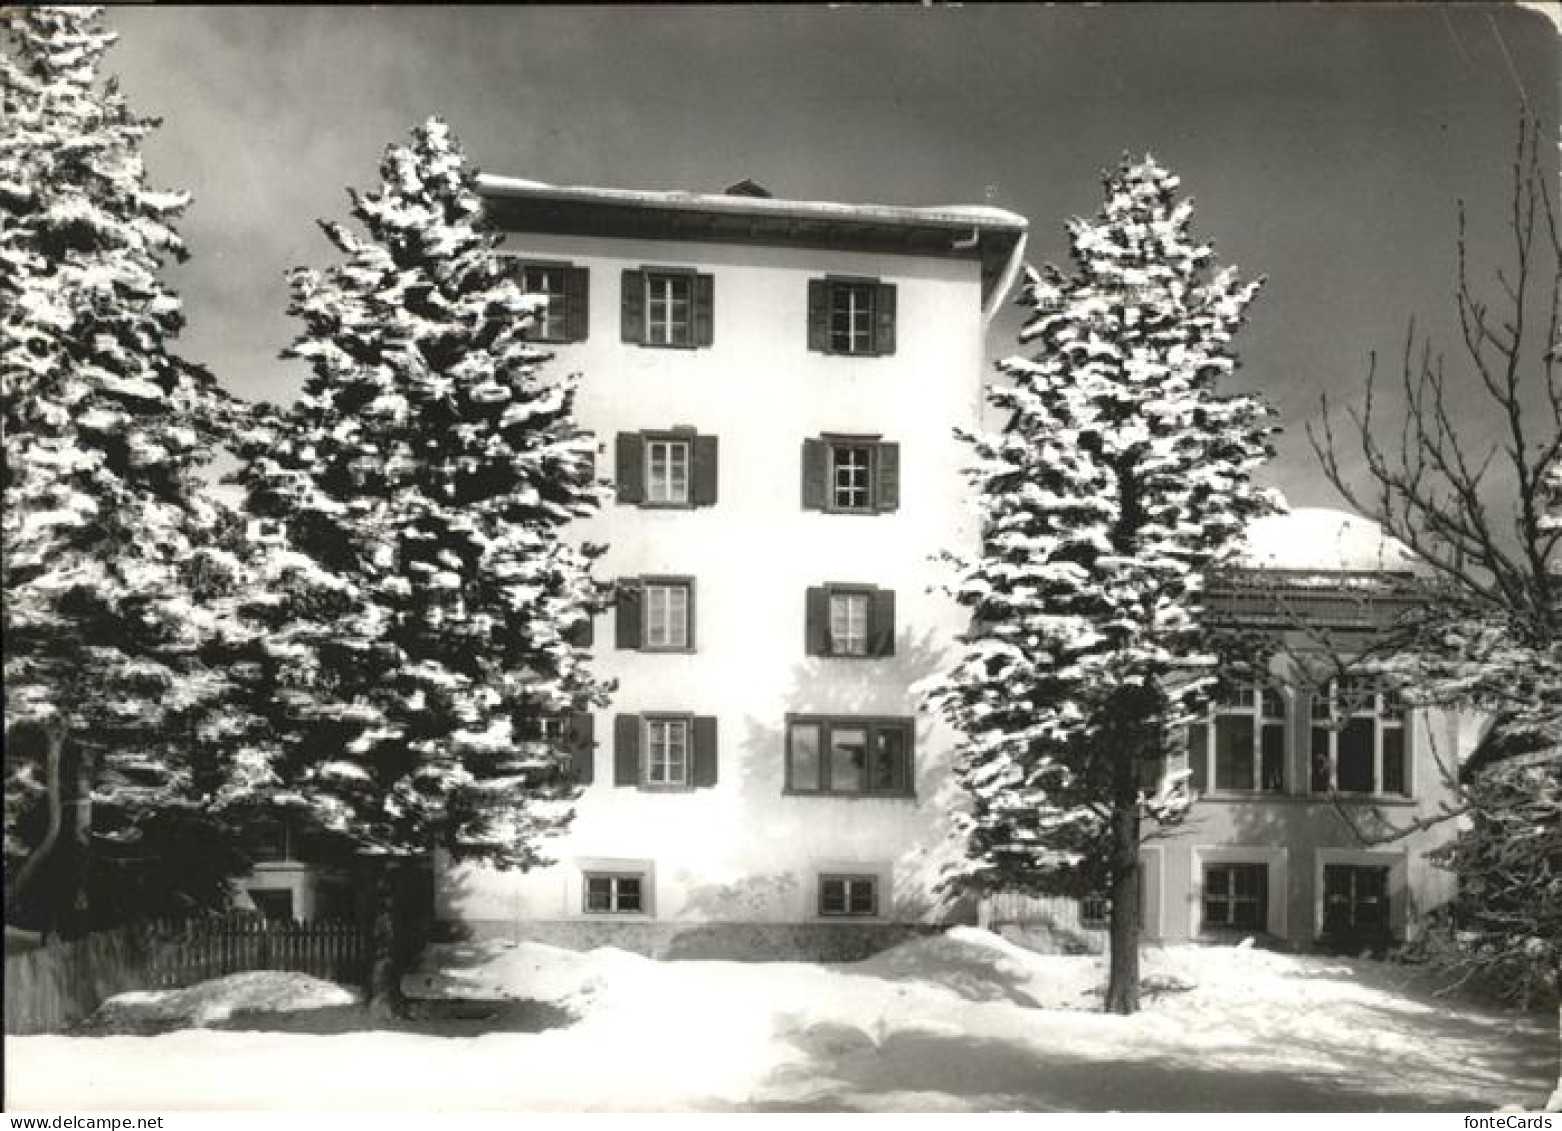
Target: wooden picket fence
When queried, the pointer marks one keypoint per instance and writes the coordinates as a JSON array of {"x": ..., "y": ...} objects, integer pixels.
[{"x": 49, "y": 989}]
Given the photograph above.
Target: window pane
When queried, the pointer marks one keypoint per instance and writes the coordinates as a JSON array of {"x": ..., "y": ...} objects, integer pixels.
[
  {"x": 599, "y": 894},
  {"x": 804, "y": 746},
  {"x": 832, "y": 897},
  {"x": 1272, "y": 772},
  {"x": 848, "y": 759},
  {"x": 1355, "y": 745},
  {"x": 889, "y": 771},
  {"x": 860, "y": 897},
  {"x": 1394, "y": 760},
  {"x": 849, "y": 624},
  {"x": 851, "y": 466},
  {"x": 629, "y": 893},
  {"x": 1198, "y": 755},
  {"x": 1234, "y": 752},
  {"x": 1321, "y": 759}
]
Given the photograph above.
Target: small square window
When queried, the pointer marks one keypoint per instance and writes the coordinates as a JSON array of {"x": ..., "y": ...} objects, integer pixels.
[
  {"x": 668, "y": 309},
  {"x": 667, "y": 752},
  {"x": 851, "y": 477},
  {"x": 1236, "y": 896},
  {"x": 856, "y": 896},
  {"x": 667, "y": 472},
  {"x": 851, "y": 317},
  {"x": 666, "y": 606},
  {"x": 548, "y": 324},
  {"x": 615, "y": 894},
  {"x": 1094, "y": 912}
]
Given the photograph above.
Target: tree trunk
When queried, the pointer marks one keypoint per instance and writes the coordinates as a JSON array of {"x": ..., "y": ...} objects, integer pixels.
[
  {"x": 1122, "y": 988},
  {"x": 1555, "y": 1102},
  {"x": 386, "y": 1001}
]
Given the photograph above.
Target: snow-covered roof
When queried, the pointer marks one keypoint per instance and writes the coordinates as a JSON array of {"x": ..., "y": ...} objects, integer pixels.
[
  {"x": 960, "y": 216},
  {"x": 1318, "y": 539},
  {"x": 994, "y": 236}
]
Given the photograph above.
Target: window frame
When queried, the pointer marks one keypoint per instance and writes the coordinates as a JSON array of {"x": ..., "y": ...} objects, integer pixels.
[
  {"x": 1095, "y": 922},
  {"x": 1353, "y": 928},
  {"x": 650, "y": 277},
  {"x": 666, "y": 581},
  {"x": 848, "y": 881},
  {"x": 553, "y": 326},
  {"x": 1389, "y": 714},
  {"x": 672, "y": 440},
  {"x": 870, "y": 472},
  {"x": 861, "y": 593},
  {"x": 665, "y": 718},
  {"x": 851, "y": 288},
  {"x": 873, "y": 725},
  {"x": 613, "y": 878},
  {"x": 1261, "y": 689},
  {"x": 1230, "y": 898}
]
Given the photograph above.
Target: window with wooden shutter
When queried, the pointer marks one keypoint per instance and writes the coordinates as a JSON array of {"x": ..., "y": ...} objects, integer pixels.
[
  {"x": 629, "y": 452},
  {"x": 851, "y": 317},
  {"x": 851, "y": 474},
  {"x": 626, "y": 750},
  {"x": 627, "y": 614},
  {"x": 669, "y": 307}
]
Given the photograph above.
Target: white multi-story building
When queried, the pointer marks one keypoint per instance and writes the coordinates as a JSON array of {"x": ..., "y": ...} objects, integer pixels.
[{"x": 776, "y": 384}]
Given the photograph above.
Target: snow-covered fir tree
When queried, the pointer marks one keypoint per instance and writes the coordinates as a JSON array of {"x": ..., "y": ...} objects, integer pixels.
[
  {"x": 1121, "y": 477},
  {"x": 110, "y": 567},
  {"x": 422, "y": 601}
]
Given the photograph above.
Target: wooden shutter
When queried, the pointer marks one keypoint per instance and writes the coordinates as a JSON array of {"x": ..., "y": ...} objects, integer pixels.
[
  {"x": 1198, "y": 756},
  {"x": 816, "y": 622},
  {"x": 819, "y": 315},
  {"x": 881, "y": 623},
  {"x": 704, "y": 751},
  {"x": 704, "y": 310},
  {"x": 632, "y": 306},
  {"x": 627, "y": 614},
  {"x": 630, "y": 467},
  {"x": 582, "y": 634},
  {"x": 583, "y": 747},
  {"x": 577, "y": 306},
  {"x": 888, "y": 496},
  {"x": 815, "y": 472},
  {"x": 626, "y": 750},
  {"x": 884, "y": 319},
  {"x": 703, "y": 480}
]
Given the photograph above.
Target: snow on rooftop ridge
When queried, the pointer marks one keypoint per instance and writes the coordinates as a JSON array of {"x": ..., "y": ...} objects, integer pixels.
[
  {"x": 1324, "y": 540},
  {"x": 979, "y": 215}
]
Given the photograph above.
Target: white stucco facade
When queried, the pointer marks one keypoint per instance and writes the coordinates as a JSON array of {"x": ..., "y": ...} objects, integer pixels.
[{"x": 747, "y": 849}]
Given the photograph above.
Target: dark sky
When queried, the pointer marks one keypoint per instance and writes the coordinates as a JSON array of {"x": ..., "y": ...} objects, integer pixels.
[{"x": 1326, "y": 146}]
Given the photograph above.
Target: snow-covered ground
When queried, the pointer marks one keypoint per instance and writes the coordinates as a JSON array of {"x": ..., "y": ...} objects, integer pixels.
[{"x": 963, "y": 1022}]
